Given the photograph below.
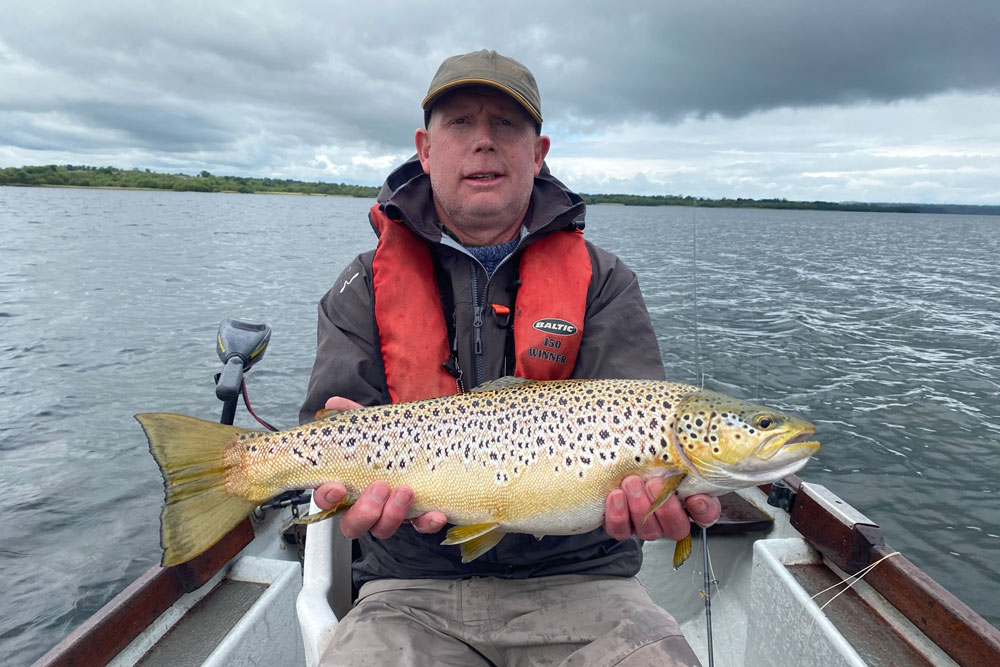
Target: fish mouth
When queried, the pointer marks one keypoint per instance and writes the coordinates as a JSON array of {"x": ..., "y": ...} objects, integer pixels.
[{"x": 799, "y": 445}]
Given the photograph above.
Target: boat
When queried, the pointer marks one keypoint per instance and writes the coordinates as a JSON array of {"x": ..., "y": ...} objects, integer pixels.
[{"x": 796, "y": 576}]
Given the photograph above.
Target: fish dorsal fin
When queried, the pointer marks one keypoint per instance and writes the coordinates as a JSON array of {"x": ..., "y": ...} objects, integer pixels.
[
  {"x": 502, "y": 383},
  {"x": 326, "y": 413}
]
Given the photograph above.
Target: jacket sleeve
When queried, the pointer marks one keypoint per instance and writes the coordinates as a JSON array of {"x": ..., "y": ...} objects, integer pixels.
[
  {"x": 618, "y": 337},
  {"x": 348, "y": 362}
]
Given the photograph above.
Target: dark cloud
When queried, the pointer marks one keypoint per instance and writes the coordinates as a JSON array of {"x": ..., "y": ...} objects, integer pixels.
[
  {"x": 733, "y": 57},
  {"x": 187, "y": 81}
]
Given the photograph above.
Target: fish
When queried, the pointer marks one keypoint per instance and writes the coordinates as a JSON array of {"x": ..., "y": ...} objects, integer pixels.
[{"x": 513, "y": 456}]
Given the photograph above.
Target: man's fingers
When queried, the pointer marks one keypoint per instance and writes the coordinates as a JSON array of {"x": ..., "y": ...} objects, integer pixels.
[
  {"x": 671, "y": 517},
  {"x": 617, "y": 521},
  {"x": 341, "y": 403},
  {"x": 429, "y": 523},
  {"x": 366, "y": 511},
  {"x": 329, "y": 494},
  {"x": 638, "y": 506},
  {"x": 393, "y": 512},
  {"x": 704, "y": 509}
]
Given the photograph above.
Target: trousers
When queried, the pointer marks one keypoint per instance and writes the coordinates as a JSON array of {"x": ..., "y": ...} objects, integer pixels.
[{"x": 567, "y": 620}]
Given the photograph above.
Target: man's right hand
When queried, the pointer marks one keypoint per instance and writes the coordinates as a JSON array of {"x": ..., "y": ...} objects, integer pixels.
[{"x": 379, "y": 509}]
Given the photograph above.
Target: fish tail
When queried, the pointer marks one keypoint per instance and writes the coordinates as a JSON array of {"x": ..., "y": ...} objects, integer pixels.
[{"x": 198, "y": 511}]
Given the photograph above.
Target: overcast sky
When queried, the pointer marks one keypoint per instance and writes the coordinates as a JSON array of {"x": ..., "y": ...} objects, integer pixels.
[{"x": 866, "y": 100}]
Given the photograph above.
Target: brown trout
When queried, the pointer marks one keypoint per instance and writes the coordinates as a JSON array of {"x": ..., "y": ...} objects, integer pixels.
[{"x": 515, "y": 456}]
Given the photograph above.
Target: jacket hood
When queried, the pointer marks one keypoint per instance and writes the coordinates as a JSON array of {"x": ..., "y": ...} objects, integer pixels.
[{"x": 406, "y": 194}]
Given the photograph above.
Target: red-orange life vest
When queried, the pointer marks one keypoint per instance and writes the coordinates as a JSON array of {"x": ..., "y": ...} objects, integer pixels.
[{"x": 550, "y": 305}]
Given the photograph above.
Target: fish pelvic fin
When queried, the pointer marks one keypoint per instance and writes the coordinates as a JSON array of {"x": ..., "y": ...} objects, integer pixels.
[
  {"x": 670, "y": 484},
  {"x": 475, "y": 539},
  {"x": 198, "y": 511},
  {"x": 316, "y": 517},
  {"x": 682, "y": 551}
]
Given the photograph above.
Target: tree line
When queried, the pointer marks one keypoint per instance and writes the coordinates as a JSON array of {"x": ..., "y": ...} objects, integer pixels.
[
  {"x": 671, "y": 200},
  {"x": 111, "y": 177}
]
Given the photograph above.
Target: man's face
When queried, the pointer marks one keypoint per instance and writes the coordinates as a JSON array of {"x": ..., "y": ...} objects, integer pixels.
[{"x": 482, "y": 155}]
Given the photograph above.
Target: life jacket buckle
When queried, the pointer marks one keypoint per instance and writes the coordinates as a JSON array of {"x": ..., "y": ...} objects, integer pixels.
[{"x": 501, "y": 315}]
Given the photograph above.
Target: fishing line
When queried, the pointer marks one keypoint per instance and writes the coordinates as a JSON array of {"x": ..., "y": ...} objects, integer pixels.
[
  {"x": 707, "y": 593},
  {"x": 699, "y": 370},
  {"x": 853, "y": 579},
  {"x": 850, "y": 581}
]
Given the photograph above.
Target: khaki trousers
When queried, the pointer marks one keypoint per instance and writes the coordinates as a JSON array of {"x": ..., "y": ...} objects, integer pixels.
[{"x": 570, "y": 620}]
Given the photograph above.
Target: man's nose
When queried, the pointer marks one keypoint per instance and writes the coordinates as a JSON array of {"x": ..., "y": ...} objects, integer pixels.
[{"x": 484, "y": 138}]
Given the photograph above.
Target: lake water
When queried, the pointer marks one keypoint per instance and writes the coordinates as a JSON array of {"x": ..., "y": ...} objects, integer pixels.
[{"x": 882, "y": 329}]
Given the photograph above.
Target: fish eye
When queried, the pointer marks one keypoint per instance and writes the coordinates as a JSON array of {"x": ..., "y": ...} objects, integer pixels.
[{"x": 763, "y": 422}]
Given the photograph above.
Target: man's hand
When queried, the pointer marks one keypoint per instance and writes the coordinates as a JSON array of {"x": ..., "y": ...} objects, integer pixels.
[
  {"x": 378, "y": 509},
  {"x": 625, "y": 508}
]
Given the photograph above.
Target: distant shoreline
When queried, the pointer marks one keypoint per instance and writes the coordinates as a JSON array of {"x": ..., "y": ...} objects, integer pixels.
[{"x": 70, "y": 176}]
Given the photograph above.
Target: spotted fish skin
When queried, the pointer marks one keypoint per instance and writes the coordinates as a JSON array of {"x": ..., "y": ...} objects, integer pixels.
[
  {"x": 537, "y": 457},
  {"x": 528, "y": 457}
]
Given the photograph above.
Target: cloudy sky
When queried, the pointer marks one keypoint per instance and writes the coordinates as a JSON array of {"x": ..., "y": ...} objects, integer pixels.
[{"x": 849, "y": 100}]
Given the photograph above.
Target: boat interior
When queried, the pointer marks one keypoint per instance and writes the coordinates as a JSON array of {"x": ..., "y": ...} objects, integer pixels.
[{"x": 805, "y": 579}]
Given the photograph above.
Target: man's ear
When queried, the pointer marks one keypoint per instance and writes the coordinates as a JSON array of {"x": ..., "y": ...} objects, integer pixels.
[
  {"x": 542, "y": 144},
  {"x": 423, "y": 142}
]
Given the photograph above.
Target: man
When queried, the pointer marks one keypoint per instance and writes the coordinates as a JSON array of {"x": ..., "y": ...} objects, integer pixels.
[{"x": 473, "y": 230}]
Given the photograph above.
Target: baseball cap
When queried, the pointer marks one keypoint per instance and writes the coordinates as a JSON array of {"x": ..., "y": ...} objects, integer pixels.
[{"x": 486, "y": 68}]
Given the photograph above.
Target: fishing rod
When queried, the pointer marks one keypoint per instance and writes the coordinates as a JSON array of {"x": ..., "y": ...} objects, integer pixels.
[
  {"x": 708, "y": 595},
  {"x": 707, "y": 592}
]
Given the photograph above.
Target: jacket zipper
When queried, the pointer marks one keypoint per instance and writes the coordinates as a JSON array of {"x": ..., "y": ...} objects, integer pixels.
[{"x": 478, "y": 349}]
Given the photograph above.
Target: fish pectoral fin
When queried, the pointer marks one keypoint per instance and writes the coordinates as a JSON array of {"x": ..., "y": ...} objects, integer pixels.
[
  {"x": 316, "y": 517},
  {"x": 682, "y": 551},
  {"x": 326, "y": 413},
  {"x": 670, "y": 484},
  {"x": 475, "y": 540}
]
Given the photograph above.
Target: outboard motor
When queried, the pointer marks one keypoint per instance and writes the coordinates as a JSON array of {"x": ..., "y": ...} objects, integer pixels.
[{"x": 240, "y": 345}]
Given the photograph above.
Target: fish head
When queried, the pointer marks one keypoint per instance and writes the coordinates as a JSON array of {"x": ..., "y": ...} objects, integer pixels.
[{"x": 736, "y": 444}]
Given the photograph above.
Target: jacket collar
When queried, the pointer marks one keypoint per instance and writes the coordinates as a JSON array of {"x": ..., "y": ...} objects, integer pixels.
[{"x": 406, "y": 195}]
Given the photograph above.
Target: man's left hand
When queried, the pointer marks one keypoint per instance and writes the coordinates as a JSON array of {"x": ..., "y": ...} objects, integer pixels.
[{"x": 625, "y": 507}]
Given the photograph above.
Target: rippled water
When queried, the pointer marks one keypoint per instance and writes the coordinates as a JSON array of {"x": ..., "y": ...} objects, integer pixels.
[{"x": 880, "y": 328}]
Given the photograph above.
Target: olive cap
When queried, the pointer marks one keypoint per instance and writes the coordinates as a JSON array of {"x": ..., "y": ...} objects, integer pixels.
[{"x": 486, "y": 68}]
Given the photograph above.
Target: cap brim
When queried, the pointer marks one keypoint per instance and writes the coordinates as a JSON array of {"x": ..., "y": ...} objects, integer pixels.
[{"x": 433, "y": 96}]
